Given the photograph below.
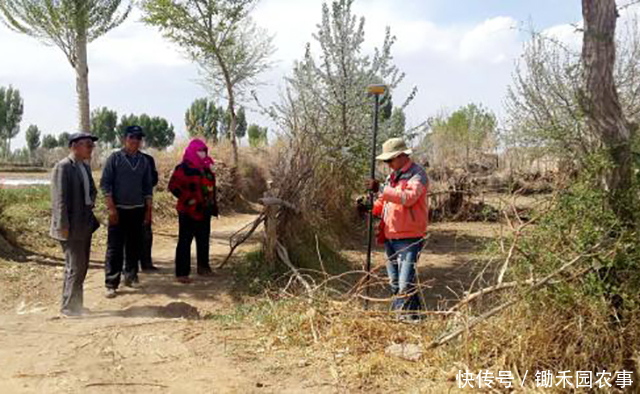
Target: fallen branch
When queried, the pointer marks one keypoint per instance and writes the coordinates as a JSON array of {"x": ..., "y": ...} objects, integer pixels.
[
  {"x": 324, "y": 270},
  {"x": 284, "y": 256},
  {"x": 487, "y": 290},
  {"x": 518, "y": 232},
  {"x": 475, "y": 321},
  {"x": 505, "y": 265},
  {"x": 125, "y": 384},
  {"x": 254, "y": 226}
]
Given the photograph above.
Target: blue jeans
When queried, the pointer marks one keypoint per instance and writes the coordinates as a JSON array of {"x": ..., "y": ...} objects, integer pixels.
[{"x": 402, "y": 256}]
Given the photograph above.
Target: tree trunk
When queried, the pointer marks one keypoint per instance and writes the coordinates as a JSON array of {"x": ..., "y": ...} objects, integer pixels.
[
  {"x": 232, "y": 112},
  {"x": 82, "y": 81},
  {"x": 271, "y": 236},
  {"x": 232, "y": 128},
  {"x": 600, "y": 102}
]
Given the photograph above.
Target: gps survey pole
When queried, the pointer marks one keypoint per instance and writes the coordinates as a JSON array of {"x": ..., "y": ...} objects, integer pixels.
[{"x": 375, "y": 91}]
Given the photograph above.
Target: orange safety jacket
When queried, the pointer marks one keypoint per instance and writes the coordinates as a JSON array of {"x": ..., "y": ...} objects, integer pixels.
[{"x": 403, "y": 204}]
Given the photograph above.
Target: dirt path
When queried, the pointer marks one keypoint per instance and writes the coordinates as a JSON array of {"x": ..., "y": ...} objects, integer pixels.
[
  {"x": 150, "y": 339},
  {"x": 144, "y": 341}
]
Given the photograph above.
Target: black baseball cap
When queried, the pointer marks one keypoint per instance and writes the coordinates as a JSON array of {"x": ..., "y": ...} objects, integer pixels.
[
  {"x": 134, "y": 130},
  {"x": 81, "y": 136}
]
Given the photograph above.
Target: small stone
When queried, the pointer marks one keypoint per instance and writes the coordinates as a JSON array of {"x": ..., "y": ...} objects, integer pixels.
[{"x": 409, "y": 352}]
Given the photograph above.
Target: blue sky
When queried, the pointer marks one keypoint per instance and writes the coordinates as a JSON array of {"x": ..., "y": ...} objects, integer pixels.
[{"x": 454, "y": 52}]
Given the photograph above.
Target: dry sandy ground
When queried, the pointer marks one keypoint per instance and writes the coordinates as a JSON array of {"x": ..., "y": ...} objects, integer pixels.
[{"x": 146, "y": 340}]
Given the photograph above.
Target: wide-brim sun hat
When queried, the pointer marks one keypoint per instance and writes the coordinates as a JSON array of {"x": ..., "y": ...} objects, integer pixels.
[{"x": 393, "y": 148}]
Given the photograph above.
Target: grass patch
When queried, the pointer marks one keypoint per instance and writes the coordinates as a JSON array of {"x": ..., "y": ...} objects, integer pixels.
[
  {"x": 25, "y": 214},
  {"x": 34, "y": 198}
]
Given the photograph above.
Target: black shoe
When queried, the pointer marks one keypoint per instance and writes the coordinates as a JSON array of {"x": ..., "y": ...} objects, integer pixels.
[
  {"x": 205, "y": 272},
  {"x": 151, "y": 268}
]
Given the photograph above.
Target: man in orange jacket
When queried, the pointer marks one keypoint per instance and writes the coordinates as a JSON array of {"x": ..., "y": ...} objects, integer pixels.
[{"x": 404, "y": 208}]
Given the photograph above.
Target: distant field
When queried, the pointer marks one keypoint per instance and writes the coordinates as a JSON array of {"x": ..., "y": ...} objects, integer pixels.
[
  {"x": 22, "y": 170},
  {"x": 11, "y": 180},
  {"x": 24, "y": 174}
]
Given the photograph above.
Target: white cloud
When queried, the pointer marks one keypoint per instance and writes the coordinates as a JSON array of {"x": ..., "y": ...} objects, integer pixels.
[
  {"x": 133, "y": 69},
  {"x": 26, "y": 57},
  {"x": 291, "y": 23},
  {"x": 494, "y": 40},
  {"x": 567, "y": 34},
  {"x": 147, "y": 49}
]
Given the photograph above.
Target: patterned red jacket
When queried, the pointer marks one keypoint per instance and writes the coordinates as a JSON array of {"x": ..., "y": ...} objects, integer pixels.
[{"x": 195, "y": 190}]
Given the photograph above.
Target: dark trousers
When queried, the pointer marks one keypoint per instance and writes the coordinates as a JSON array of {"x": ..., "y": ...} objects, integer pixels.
[
  {"x": 126, "y": 235},
  {"x": 147, "y": 244},
  {"x": 188, "y": 229},
  {"x": 76, "y": 264}
]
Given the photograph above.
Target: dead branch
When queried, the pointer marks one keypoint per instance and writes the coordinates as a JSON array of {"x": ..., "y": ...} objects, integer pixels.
[
  {"x": 505, "y": 265},
  {"x": 103, "y": 384},
  {"x": 324, "y": 270},
  {"x": 245, "y": 237},
  {"x": 517, "y": 233},
  {"x": 475, "y": 321},
  {"x": 284, "y": 256},
  {"x": 488, "y": 290}
]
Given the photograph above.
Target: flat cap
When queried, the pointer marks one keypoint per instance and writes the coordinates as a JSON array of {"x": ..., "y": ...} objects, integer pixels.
[
  {"x": 81, "y": 136},
  {"x": 134, "y": 130}
]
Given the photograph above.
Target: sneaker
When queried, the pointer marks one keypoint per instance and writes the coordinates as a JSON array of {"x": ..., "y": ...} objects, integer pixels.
[
  {"x": 410, "y": 318},
  {"x": 110, "y": 293},
  {"x": 131, "y": 282},
  {"x": 183, "y": 279}
]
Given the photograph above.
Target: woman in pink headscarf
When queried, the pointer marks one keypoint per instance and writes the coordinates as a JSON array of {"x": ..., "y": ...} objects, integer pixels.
[{"x": 193, "y": 182}]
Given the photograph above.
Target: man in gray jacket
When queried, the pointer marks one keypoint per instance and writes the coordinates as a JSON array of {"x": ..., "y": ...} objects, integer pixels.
[
  {"x": 73, "y": 196},
  {"x": 127, "y": 185}
]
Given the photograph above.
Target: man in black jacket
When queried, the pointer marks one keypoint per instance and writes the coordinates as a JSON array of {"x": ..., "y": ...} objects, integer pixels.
[{"x": 128, "y": 188}]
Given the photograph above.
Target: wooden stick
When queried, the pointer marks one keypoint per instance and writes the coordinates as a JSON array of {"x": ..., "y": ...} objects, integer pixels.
[
  {"x": 487, "y": 290},
  {"x": 475, "y": 321},
  {"x": 284, "y": 256},
  {"x": 125, "y": 384},
  {"x": 505, "y": 265},
  {"x": 254, "y": 226},
  {"x": 324, "y": 270}
]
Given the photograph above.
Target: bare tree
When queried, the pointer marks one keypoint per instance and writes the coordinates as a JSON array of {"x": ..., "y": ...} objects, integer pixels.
[{"x": 70, "y": 25}]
